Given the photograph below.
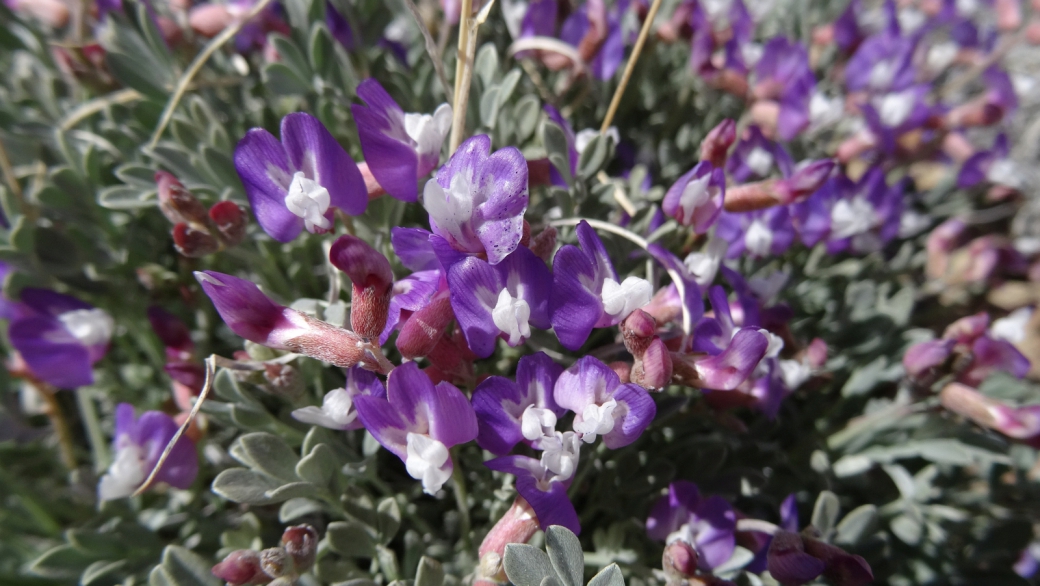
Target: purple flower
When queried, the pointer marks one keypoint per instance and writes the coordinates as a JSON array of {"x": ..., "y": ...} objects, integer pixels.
[
  {"x": 586, "y": 293},
  {"x": 300, "y": 182},
  {"x": 883, "y": 63},
  {"x": 419, "y": 422},
  {"x": 138, "y": 443},
  {"x": 509, "y": 412},
  {"x": 783, "y": 73},
  {"x": 861, "y": 216},
  {"x": 696, "y": 198},
  {"x": 990, "y": 356},
  {"x": 756, "y": 157},
  {"x": 1029, "y": 561},
  {"x": 500, "y": 301},
  {"x": 399, "y": 147},
  {"x": 339, "y": 28},
  {"x": 708, "y": 19},
  {"x": 337, "y": 409},
  {"x": 59, "y": 337},
  {"x": 760, "y": 233},
  {"x": 992, "y": 166},
  {"x": 602, "y": 405},
  {"x": 543, "y": 489},
  {"x": 612, "y": 51},
  {"x": 477, "y": 201},
  {"x": 411, "y": 294},
  {"x": 890, "y": 115},
  {"x": 708, "y": 525}
]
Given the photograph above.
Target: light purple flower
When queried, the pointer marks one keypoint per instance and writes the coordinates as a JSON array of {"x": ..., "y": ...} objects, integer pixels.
[
  {"x": 612, "y": 52},
  {"x": 708, "y": 525},
  {"x": 534, "y": 18},
  {"x": 991, "y": 166},
  {"x": 602, "y": 405},
  {"x": 861, "y": 216},
  {"x": 419, "y": 422},
  {"x": 509, "y": 412},
  {"x": 890, "y": 115},
  {"x": 924, "y": 356},
  {"x": 299, "y": 182},
  {"x": 761, "y": 233},
  {"x": 478, "y": 199},
  {"x": 586, "y": 293},
  {"x": 708, "y": 19},
  {"x": 990, "y": 356},
  {"x": 696, "y": 198},
  {"x": 756, "y": 157},
  {"x": 500, "y": 301},
  {"x": 544, "y": 490},
  {"x": 1029, "y": 561},
  {"x": 783, "y": 74},
  {"x": 883, "y": 63},
  {"x": 59, "y": 337},
  {"x": 411, "y": 294},
  {"x": 399, "y": 147},
  {"x": 137, "y": 445},
  {"x": 337, "y": 409}
]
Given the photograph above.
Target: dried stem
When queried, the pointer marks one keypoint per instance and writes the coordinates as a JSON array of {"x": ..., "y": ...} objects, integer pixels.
[
  {"x": 88, "y": 109},
  {"x": 66, "y": 446},
  {"x": 196, "y": 65},
  {"x": 630, "y": 66},
  {"x": 431, "y": 50},
  {"x": 463, "y": 75}
]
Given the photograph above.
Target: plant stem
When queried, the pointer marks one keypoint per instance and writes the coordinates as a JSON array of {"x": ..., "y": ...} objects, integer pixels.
[
  {"x": 66, "y": 446},
  {"x": 461, "y": 496},
  {"x": 630, "y": 66},
  {"x": 98, "y": 445},
  {"x": 432, "y": 51},
  {"x": 463, "y": 73}
]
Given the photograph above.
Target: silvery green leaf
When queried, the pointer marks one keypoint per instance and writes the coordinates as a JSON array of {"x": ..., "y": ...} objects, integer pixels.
[
  {"x": 226, "y": 387},
  {"x": 825, "y": 512},
  {"x": 133, "y": 173},
  {"x": 388, "y": 518},
  {"x": 136, "y": 68},
  {"x": 291, "y": 491},
  {"x": 318, "y": 466},
  {"x": 61, "y": 562},
  {"x": 866, "y": 377},
  {"x": 596, "y": 155},
  {"x": 565, "y": 554},
  {"x": 185, "y": 132},
  {"x": 907, "y": 528},
  {"x": 291, "y": 55},
  {"x": 489, "y": 107},
  {"x": 526, "y": 113},
  {"x": 608, "y": 576},
  {"x": 485, "y": 66},
  {"x": 526, "y": 565},
  {"x": 220, "y": 167},
  {"x": 282, "y": 80},
  {"x": 508, "y": 86},
  {"x": 429, "y": 573},
  {"x": 244, "y": 486},
  {"x": 387, "y": 562},
  {"x": 184, "y": 567},
  {"x": 296, "y": 508},
  {"x": 551, "y": 581},
  {"x": 253, "y": 416},
  {"x": 126, "y": 197},
  {"x": 269, "y": 454},
  {"x": 23, "y": 235},
  {"x": 158, "y": 578},
  {"x": 350, "y": 539},
  {"x": 179, "y": 162},
  {"x": 859, "y": 523},
  {"x": 320, "y": 50}
]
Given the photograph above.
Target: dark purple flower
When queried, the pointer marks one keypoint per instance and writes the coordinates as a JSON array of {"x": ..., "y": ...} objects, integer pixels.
[
  {"x": 399, "y": 147},
  {"x": 696, "y": 198},
  {"x": 761, "y": 233},
  {"x": 59, "y": 337},
  {"x": 756, "y": 157},
  {"x": 586, "y": 293},
  {"x": 796, "y": 559},
  {"x": 883, "y": 63},
  {"x": 602, "y": 405},
  {"x": 509, "y": 412},
  {"x": 300, "y": 182},
  {"x": 783, "y": 74},
  {"x": 543, "y": 489},
  {"x": 137, "y": 445},
  {"x": 337, "y": 409},
  {"x": 339, "y": 27},
  {"x": 890, "y": 115},
  {"x": 419, "y": 422},
  {"x": 708, "y": 525},
  {"x": 478, "y": 199},
  {"x": 500, "y": 301}
]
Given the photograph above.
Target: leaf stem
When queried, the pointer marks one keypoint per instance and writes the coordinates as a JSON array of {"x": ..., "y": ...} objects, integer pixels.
[
  {"x": 630, "y": 66},
  {"x": 461, "y": 496},
  {"x": 98, "y": 445}
]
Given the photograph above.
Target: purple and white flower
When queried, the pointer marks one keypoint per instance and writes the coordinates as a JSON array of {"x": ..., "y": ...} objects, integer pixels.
[
  {"x": 478, "y": 199},
  {"x": 399, "y": 147},
  {"x": 883, "y": 63},
  {"x": 509, "y": 412},
  {"x": 138, "y": 444},
  {"x": 602, "y": 405},
  {"x": 783, "y": 74},
  {"x": 337, "y": 409},
  {"x": 586, "y": 291},
  {"x": 707, "y": 524},
  {"x": 759, "y": 233},
  {"x": 992, "y": 166},
  {"x": 299, "y": 182},
  {"x": 419, "y": 422},
  {"x": 696, "y": 198},
  {"x": 892, "y": 114},
  {"x": 756, "y": 157},
  {"x": 542, "y": 488},
  {"x": 58, "y": 336}
]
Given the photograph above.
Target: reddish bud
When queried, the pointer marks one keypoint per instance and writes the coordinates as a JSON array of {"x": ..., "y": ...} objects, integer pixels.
[
  {"x": 679, "y": 559},
  {"x": 193, "y": 243},
  {"x": 805, "y": 181},
  {"x": 715, "y": 146},
  {"x": 638, "y": 330},
  {"x": 967, "y": 329},
  {"x": 177, "y": 203},
  {"x": 538, "y": 172},
  {"x": 419, "y": 335},
  {"x": 653, "y": 370},
  {"x": 283, "y": 380},
  {"x": 230, "y": 220},
  {"x": 544, "y": 243},
  {"x": 751, "y": 196},
  {"x": 240, "y": 568},
  {"x": 447, "y": 357},
  {"x": 275, "y": 562},
  {"x": 301, "y": 543},
  {"x": 623, "y": 370},
  {"x": 372, "y": 280},
  {"x": 207, "y": 20}
]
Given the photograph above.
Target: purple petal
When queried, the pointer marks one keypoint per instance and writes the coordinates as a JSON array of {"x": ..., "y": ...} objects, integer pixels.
[
  {"x": 388, "y": 150},
  {"x": 242, "y": 306},
  {"x": 586, "y": 382},
  {"x": 502, "y": 214},
  {"x": 263, "y": 166},
  {"x": 593, "y": 247},
  {"x": 452, "y": 420},
  {"x": 573, "y": 309},
  {"x": 552, "y": 506},
  {"x": 496, "y": 401},
  {"x": 474, "y": 286},
  {"x": 51, "y": 352},
  {"x": 639, "y": 412},
  {"x": 788, "y": 563},
  {"x": 385, "y": 423},
  {"x": 412, "y": 246},
  {"x": 536, "y": 375},
  {"x": 728, "y": 370},
  {"x": 672, "y": 510},
  {"x": 339, "y": 27},
  {"x": 51, "y": 302},
  {"x": 154, "y": 431},
  {"x": 715, "y": 536},
  {"x": 526, "y": 276},
  {"x": 313, "y": 150},
  {"x": 789, "y": 514},
  {"x": 410, "y": 294}
]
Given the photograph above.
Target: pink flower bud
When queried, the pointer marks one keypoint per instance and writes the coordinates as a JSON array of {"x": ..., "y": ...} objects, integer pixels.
[
  {"x": 1009, "y": 14},
  {"x": 372, "y": 280},
  {"x": 715, "y": 146},
  {"x": 967, "y": 329},
  {"x": 241, "y": 568},
  {"x": 766, "y": 113},
  {"x": 193, "y": 243},
  {"x": 923, "y": 357},
  {"x": 207, "y": 20},
  {"x": 977, "y": 112},
  {"x": 518, "y": 525},
  {"x": 805, "y": 181},
  {"x": 941, "y": 242},
  {"x": 177, "y": 203},
  {"x": 752, "y": 196},
  {"x": 680, "y": 559},
  {"x": 230, "y": 220},
  {"x": 451, "y": 361},
  {"x": 653, "y": 370},
  {"x": 623, "y": 370},
  {"x": 301, "y": 543},
  {"x": 425, "y": 327},
  {"x": 638, "y": 331}
]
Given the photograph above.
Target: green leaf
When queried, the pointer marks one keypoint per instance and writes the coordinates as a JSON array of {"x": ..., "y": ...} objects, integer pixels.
[
  {"x": 608, "y": 576},
  {"x": 825, "y": 512},
  {"x": 23, "y": 235},
  {"x": 429, "y": 573},
  {"x": 61, "y": 562},
  {"x": 565, "y": 555},
  {"x": 267, "y": 453},
  {"x": 508, "y": 86},
  {"x": 292, "y": 490},
  {"x": 183, "y": 567},
  {"x": 859, "y": 523},
  {"x": 526, "y": 565},
  {"x": 291, "y": 55},
  {"x": 244, "y": 486},
  {"x": 908, "y": 528},
  {"x": 489, "y": 107},
  {"x": 296, "y": 508},
  {"x": 388, "y": 519},
  {"x": 526, "y": 114},
  {"x": 387, "y": 562},
  {"x": 281, "y": 80},
  {"x": 596, "y": 155},
  {"x": 103, "y": 573},
  {"x": 350, "y": 539},
  {"x": 485, "y": 66},
  {"x": 319, "y": 466}
]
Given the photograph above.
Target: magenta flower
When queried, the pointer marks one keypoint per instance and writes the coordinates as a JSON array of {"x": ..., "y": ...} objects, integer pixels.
[
  {"x": 696, "y": 198},
  {"x": 300, "y": 182},
  {"x": 708, "y": 525},
  {"x": 602, "y": 405}
]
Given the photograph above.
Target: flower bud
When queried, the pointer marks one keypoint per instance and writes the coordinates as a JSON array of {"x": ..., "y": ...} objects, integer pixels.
[
  {"x": 208, "y": 20},
  {"x": 715, "y": 146},
  {"x": 653, "y": 370},
  {"x": 425, "y": 327},
  {"x": 240, "y": 568},
  {"x": 967, "y": 329},
  {"x": 941, "y": 242},
  {"x": 623, "y": 370},
  {"x": 518, "y": 525},
  {"x": 544, "y": 243},
  {"x": 679, "y": 559},
  {"x": 805, "y": 181},
  {"x": 230, "y": 220},
  {"x": 284, "y": 380},
  {"x": 276, "y": 562},
  {"x": 725, "y": 371},
  {"x": 193, "y": 243},
  {"x": 638, "y": 331},
  {"x": 301, "y": 543},
  {"x": 177, "y": 203},
  {"x": 372, "y": 280},
  {"x": 923, "y": 357}
]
